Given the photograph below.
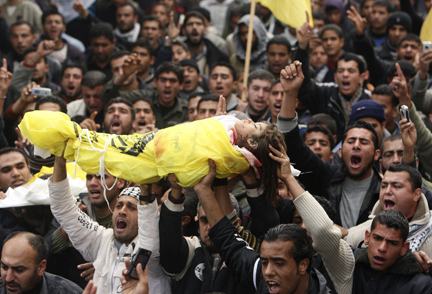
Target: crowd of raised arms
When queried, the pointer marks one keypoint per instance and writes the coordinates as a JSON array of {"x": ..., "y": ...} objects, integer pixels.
[{"x": 344, "y": 99}]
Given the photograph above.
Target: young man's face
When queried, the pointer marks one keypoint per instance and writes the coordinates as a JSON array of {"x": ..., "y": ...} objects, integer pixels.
[
  {"x": 71, "y": 82},
  {"x": 179, "y": 53},
  {"x": 92, "y": 98},
  {"x": 195, "y": 30},
  {"x": 379, "y": 17},
  {"x": 385, "y": 245},
  {"x": 408, "y": 50},
  {"x": 96, "y": 190},
  {"x": 395, "y": 33},
  {"x": 319, "y": 143},
  {"x": 146, "y": 59},
  {"x": 126, "y": 18},
  {"x": 204, "y": 229},
  {"x": 358, "y": 154},
  {"x": 221, "y": 81},
  {"x": 53, "y": 26},
  {"x": 281, "y": 272},
  {"x": 191, "y": 78},
  {"x": 117, "y": 69},
  {"x": 275, "y": 99},
  {"x": 258, "y": 94},
  {"x": 21, "y": 38},
  {"x": 102, "y": 48},
  {"x": 318, "y": 57},
  {"x": 319, "y": 24},
  {"x": 40, "y": 71},
  {"x": 161, "y": 13},
  {"x": 118, "y": 119},
  {"x": 167, "y": 86},
  {"x": 125, "y": 219},
  {"x": 14, "y": 171},
  {"x": 396, "y": 193},
  {"x": 389, "y": 111},
  {"x": 392, "y": 153},
  {"x": 143, "y": 115},
  {"x": 366, "y": 9},
  {"x": 243, "y": 33},
  {"x": 334, "y": 16},
  {"x": 278, "y": 57},
  {"x": 207, "y": 109},
  {"x": 378, "y": 126},
  {"x": 348, "y": 77},
  {"x": 332, "y": 43},
  {"x": 192, "y": 108},
  {"x": 150, "y": 31}
]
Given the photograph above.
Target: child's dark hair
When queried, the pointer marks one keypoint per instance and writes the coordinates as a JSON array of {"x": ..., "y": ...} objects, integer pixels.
[{"x": 269, "y": 136}]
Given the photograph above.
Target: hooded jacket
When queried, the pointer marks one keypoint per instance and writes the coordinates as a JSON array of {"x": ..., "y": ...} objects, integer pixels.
[{"x": 346, "y": 25}]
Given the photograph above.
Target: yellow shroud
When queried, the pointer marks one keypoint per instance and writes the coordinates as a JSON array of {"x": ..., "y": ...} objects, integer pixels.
[{"x": 183, "y": 149}]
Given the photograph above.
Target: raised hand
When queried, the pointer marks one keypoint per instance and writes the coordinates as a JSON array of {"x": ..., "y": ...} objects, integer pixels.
[
  {"x": 359, "y": 22},
  {"x": 89, "y": 270},
  {"x": 400, "y": 88},
  {"x": 45, "y": 47},
  {"x": 304, "y": 33},
  {"x": 292, "y": 77},
  {"x": 5, "y": 79},
  {"x": 89, "y": 123},
  {"x": 425, "y": 60},
  {"x": 130, "y": 65},
  {"x": 22, "y": 141},
  {"x": 79, "y": 7},
  {"x": 26, "y": 95},
  {"x": 173, "y": 30},
  {"x": 176, "y": 188},
  {"x": 221, "y": 107},
  {"x": 133, "y": 286}
]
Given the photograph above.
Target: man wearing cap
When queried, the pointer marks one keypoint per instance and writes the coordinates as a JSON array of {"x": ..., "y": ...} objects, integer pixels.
[
  {"x": 192, "y": 78},
  {"x": 107, "y": 248}
]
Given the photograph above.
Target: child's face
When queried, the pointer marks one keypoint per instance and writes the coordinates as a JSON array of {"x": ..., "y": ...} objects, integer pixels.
[{"x": 247, "y": 128}]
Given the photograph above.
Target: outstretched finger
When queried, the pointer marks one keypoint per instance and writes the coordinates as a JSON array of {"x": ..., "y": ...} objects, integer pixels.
[
  {"x": 4, "y": 64},
  {"x": 93, "y": 115},
  {"x": 221, "y": 105},
  {"x": 307, "y": 16},
  {"x": 399, "y": 71}
]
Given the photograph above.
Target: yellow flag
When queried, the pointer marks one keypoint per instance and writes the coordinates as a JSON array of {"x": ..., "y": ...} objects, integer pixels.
[
  {"x": 426, "y": 30},
  {"x": 290, "y": 12}
]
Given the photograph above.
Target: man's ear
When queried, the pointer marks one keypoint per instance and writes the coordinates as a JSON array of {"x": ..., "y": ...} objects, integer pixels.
[
  {"x": 417, "y": 194},
  {"x": 303, "y": 266},
  {"x": 185, "y": 220},
  {"x": 245, "y": 91},
  {"x": 252, "y": 144},
  {"x": 377, "y": 154},
  {"x": 41, "y": 268},
  {"x": 154, "y": 119},
  {"x": 155, "y": 83},
  {"x": 152, "y": 60},
  {"x": 404, "y": 248},
  {"x": 188, "y": 54},
  {"x": 380, "y": 166},
  {"x": 199, "y": 77},
  {"x": 340, "y": 152},
  {"x": 331, "y": 155},
  {"x": 367, "y": 236},
  {"x": 120, "y": 183}
]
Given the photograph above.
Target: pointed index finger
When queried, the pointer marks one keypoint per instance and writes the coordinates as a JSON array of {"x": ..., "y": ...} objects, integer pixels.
[
  {"x": 93, "y": 115},
  {"x": 399, "y": 71},
  {"x": 307, "y": 16},
  {"x": 4, "y": 64}
]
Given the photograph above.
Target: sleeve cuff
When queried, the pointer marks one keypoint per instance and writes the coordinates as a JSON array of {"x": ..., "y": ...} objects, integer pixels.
[{"x": 285, "y": 124}]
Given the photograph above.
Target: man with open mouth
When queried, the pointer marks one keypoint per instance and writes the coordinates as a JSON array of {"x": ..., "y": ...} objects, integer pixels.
[
  {"x": 257, "y": 93},
  {"x": 119, "y": 117}
]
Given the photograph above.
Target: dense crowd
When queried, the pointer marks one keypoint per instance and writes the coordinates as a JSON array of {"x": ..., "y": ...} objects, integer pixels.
[{"x": 312, "y": 172}]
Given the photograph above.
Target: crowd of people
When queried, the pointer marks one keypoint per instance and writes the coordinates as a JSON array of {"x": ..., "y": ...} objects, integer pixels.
[{"x": 324, "y": 98}]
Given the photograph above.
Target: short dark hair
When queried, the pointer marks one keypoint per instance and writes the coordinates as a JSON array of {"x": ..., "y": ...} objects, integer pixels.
[
  {"x": 128, "y": 4},
  {"x": 181, "y": 43},
  {"x": 332, "y": 27},
  {"x": 388, "y": 5},
  {"x": 390, "y": 138},
  {"x": 392, "y": 219},
  {"x": 260, "y": 74},
  {"x": 227, "y": 65},
  {"x": 320, "y": 129},
  {"x": 93, "y": 79},
  {"x": 208, "y": 97},
  {"x": 319, "y": 14},
  {"x": 360, "y": 124},
  {"x": 415, "y": 177},
  {"x": 20, "y": 23},
  {"x": 144, "y": 44},
  {"x": 323, "y": 119},
  {"x": 51, "y": 11},
  {"x": 118, "y": 54},
  {"x": 279, "y": 40},
  {"x": 102, "y": 29},
  {"x": 37, "y": 242},
  {"x": 277, "y": 81},
  {"x": 6, "y": 150},
  {"x": 409, "y": 37},
  {"x": 196, "y": 94},
  {"x": 193, "y": 13},
  {"x": 152, "y": 18},
  {"x": 52, "y": 99},
  {"x": 170, "y": 66},
  {"x": 79, "y": 65},
  {"x": 134, "y": 100},
  {"x": 122, "y": 100},
  {"x": 302, "y": 247},
  {"x": 352, "y": 57},
  {"x": 385, "y": 89}
]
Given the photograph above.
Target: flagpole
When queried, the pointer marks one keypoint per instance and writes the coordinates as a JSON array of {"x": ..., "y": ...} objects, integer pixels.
[{"x": 248, "y": 47}]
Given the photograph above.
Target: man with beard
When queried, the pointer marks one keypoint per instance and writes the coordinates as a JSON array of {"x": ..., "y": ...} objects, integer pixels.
[
  {"x": 278, "y": 54},
  {"x": 152, "y": 31},
  {"x": 23, "y": 264},
  {"x": 72, "y": 74},
  {"x": 119, "y": 116},
  {"x": 202, "y": 50},
  {"x": 127, "y": 30},
  {"x": 102, "y": 43},
  {"x": 257, "y": 93},
  {"x": 352, "y": 186}
]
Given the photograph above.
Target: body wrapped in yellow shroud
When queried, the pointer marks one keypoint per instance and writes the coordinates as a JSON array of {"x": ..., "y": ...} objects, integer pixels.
[{"x": 183, "y": 149}]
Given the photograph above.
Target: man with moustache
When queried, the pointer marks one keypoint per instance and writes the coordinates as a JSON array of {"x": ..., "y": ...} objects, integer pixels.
[{"x": 119, "y": 116}]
